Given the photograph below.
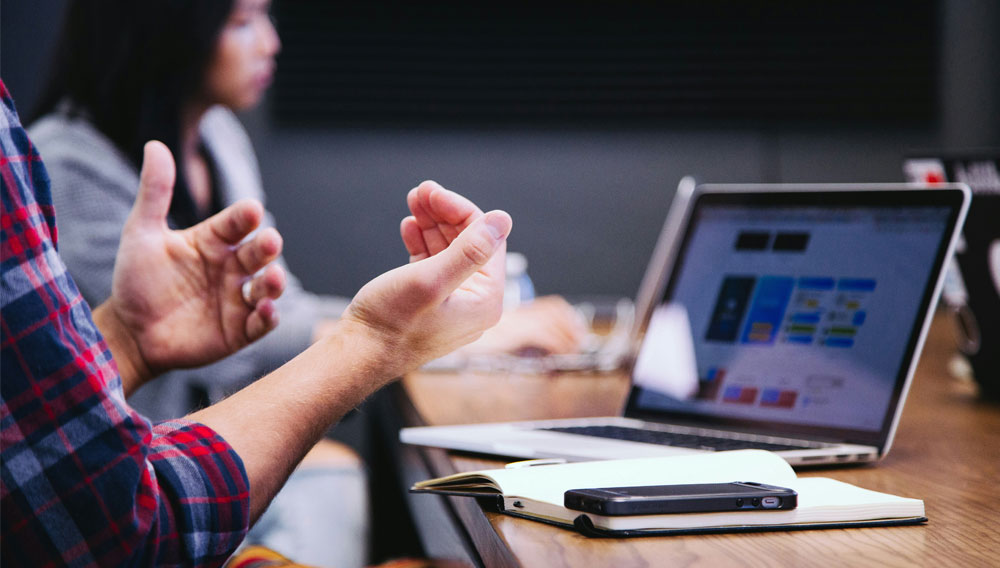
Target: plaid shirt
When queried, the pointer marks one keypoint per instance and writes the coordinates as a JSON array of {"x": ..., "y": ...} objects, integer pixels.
[{"x": 86, "y": 480}]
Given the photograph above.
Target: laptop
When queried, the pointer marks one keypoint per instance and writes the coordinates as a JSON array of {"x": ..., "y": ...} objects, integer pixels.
[{"x": 806, "y": 306}]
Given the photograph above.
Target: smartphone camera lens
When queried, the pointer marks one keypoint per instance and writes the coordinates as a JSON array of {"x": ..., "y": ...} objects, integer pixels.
[
  {"x": 756, "y": 502},
  {"x": 739, "y": 503}
]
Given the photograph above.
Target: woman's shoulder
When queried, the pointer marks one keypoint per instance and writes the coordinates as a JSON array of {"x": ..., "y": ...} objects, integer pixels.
[
  {"x": 65, "y": 139},
  {"x": 74, "y": 151},
  {"x": 65, "y": 133}
]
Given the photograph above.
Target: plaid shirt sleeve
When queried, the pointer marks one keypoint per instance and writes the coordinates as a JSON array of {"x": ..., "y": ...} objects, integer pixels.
[{"x": 86, "y": 481}]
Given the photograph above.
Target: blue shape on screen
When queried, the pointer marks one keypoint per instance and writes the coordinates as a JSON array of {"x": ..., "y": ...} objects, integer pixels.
[
  {"x": 859, "y": 317},
  {"x": 768, "y": 309},
  {"x": 731, "y": 393},
  {"x": 770, "y": 396},
  {"x": 856, "y": 284},
  {"x": 730, "y": 305},
  {"x": 839, "y": 342},
  {"x": 815, "y": 283},
  {"x": 803, "y": 339},
  {"x": 806, "y": 317}
]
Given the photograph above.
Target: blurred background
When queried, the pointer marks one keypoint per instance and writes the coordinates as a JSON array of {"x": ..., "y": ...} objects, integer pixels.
[{"x": 579, "y": 118}]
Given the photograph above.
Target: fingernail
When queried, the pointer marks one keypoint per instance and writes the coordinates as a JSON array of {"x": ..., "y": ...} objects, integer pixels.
[{"x": 497, "y": 225}]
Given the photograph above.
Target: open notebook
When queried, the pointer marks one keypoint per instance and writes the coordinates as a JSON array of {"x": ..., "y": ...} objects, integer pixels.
[
  {"x": 537, "y": 493},
  {"x": 804, "y": 309}
]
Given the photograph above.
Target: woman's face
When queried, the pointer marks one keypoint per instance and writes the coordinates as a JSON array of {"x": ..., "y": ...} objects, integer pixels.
[{"x": 243, "y": 65}]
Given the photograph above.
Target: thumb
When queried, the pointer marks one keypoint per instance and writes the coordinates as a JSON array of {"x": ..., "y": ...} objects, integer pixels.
[
  {"x": 156, "y": 184},
  {"x": 472, "y": 250}
]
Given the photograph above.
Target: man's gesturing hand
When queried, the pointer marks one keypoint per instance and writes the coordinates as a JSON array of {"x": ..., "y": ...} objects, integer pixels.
[
  {"x": 450, "y": 292},
  {"x": 178, "y": 297}
]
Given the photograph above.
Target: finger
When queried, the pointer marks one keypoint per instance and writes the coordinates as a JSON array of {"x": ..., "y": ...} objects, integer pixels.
[
  {"x": 259, "y": 251},
  {"x": 416, "y": 209},
  {"x": 413, "y": 239},
  {"x": 540, "y": 330},
  {"x": 554, "y": 337},
  {"x": 156, "y": 184},
  {"x": 562, "y": 340},
  {"x": 450, "y": 211},
  {"x": 430, "y": 231},
  {"x": 540, "y": 345},
  {"x": 568, "y": 329},
  {"x": 420, "y": 213},
  {"x": 453, "y": 212},
  {"x": 234, "y": 223},
  {"x": 430, "y": 235},
  {"x": 442, "y": 214},
  {"x": 562, "y": 314},
  {"x": 268, "y": 284},
  {"x": 472, "y": 251},
  {"x": 451, "y": 208},
  {"x": 552, "y": 300},
  {"x": 553, "y": 342},
  {"x": 436, "y": 241},
  {"x": 449, "y": 232},
  {"x": 261, "y": 320}
]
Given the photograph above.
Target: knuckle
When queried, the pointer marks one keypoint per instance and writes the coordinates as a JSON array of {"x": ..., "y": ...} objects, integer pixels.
[
  {"x": 234, "y": 224},
  {"x": 477, "y": 250}
]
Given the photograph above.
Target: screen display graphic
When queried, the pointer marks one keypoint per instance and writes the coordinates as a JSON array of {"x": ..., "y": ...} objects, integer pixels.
[{"x": 799, "y": 314}]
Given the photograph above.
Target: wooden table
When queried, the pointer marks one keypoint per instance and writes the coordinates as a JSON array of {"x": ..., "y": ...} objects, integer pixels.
[{"x": 946, "y": 452}]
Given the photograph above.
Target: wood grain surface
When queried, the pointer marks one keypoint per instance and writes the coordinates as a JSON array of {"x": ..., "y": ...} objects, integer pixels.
[{"x": 946, "y": 452}]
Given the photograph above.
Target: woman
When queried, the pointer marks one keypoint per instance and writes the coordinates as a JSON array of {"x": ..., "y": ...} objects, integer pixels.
[
  {"x": 175, "y": 70},
  {"x": 128, "y": 72}
]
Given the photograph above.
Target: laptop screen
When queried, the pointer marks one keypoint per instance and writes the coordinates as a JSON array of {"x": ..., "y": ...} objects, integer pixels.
[{"x": 804, "y": 310}]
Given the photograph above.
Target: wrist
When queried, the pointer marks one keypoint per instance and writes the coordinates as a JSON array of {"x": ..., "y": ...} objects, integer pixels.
[
  {"x": 124, "y": 347},
  {"x": 323, "y": 328},
  {"x": 375, "y": 353}
]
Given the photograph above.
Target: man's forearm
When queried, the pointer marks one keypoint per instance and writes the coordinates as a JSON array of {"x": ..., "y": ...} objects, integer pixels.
[
  {"x": 274, "y": 422},
  {"x": 409, "y": 315}
]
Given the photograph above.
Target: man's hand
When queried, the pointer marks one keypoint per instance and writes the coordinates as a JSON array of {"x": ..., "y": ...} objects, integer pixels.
[
  {"x": 451, "y": 291},
  {"x": 178, "y": 297},
  {"x": 546, "y": 325},
  {"x": 437, "y": 217}
]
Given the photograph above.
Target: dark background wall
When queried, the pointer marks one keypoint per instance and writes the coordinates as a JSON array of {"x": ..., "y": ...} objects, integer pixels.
[{"x": 588, "y": 192}]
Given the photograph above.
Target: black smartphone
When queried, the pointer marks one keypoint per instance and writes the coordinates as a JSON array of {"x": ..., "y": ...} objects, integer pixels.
[{"x": 691, "y": 498}]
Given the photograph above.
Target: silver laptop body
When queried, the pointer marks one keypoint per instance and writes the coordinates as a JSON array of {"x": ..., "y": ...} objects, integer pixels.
[{"x": 806, "y": 311}]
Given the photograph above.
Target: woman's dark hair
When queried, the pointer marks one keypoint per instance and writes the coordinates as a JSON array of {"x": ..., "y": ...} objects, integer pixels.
[{"x": 130, "y": 66}]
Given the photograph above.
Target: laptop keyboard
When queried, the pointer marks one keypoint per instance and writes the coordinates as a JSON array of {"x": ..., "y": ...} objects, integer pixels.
[{"x": 674, "y": 438}]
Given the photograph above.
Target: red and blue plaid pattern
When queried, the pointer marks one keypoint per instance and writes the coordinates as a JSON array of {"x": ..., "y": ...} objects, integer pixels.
[{"x": 86, "y": 481}]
